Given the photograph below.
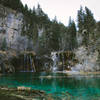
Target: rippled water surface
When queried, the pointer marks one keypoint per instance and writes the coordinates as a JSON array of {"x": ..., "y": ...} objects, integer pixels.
[{"x": 57, "y": 84}]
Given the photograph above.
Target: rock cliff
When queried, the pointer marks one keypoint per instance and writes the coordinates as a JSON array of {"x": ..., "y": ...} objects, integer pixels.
[
  {"x": 11, "y": 25},
  {"x": 18, "y": 34}
]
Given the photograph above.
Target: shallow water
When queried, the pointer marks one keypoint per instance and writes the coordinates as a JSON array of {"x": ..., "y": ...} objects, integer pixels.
[{"x": 57, "y": 84}]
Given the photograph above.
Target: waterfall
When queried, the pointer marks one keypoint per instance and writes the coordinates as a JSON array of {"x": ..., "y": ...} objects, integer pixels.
[
  {"x": 31, "y": 67},
  {"x": 54, "y": 57},
  {"x": 24, "y": 64},
  {"x": 28, "y": 64},
  {"x": 63, "y": 60}
]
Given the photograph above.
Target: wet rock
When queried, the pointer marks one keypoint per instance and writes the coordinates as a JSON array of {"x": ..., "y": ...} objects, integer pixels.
[
  {"x": 22, "y": 88},
  {"x": 64, "y": 60},
  {"x": 45, "y": 62},
  {"x": 12, "y": 61}
]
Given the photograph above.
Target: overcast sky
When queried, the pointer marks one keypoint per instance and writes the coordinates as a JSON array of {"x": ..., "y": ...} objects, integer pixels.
[{"x": 65, "y": 8}]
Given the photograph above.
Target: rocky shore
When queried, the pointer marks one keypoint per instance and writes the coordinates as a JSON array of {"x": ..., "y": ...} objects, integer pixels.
[
  {"x": 15, "y": 94},
  {"x": 80, "y": 73},
  {"x": 24, "y": 94}
]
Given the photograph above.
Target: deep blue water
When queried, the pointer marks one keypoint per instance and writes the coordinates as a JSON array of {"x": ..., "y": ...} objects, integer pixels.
[{"x": 80, "y": 87}]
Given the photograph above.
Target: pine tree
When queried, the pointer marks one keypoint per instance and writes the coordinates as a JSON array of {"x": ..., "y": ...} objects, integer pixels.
[
  {"x": 55, "y": 36},
  {"x": 85, "y": 20},
  {"x": 89, "y": 21},
  {"x": 35, "y": 34},
  {"x": 80, "y": 19},
  {"x": 72, "y": 34},
  {"x": 26, "y": 8},
  {"x": 14, "y": 4}
]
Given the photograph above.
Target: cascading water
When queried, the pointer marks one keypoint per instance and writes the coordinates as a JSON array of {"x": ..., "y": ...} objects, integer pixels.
[
  {"x": 24, "y": 61},
  {"x": 54, "y": 57},
  {"x": 28, "y": 64},
  {"x": 31, "y": 64}
]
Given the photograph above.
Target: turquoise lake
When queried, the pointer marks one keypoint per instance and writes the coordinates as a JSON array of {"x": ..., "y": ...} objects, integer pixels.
[{"x": 57, "y": 84}]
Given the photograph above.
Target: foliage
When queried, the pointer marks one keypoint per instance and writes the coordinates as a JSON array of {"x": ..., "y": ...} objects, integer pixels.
[
  {"x": 86, "y": 25},
  {"x": 89, "y": 21},
  {"x": 72, "y": 35},
  {"x": 55, "y": 35},
  {"x": 80, "y": 19},
  {"x": 86, "y": 20},
  {"x": 14, "y": 4}
]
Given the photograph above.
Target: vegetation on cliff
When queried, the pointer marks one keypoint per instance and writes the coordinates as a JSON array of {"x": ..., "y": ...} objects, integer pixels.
[
  {"x": 54, "y": 36},
  {"x": 46, "y": 36}
]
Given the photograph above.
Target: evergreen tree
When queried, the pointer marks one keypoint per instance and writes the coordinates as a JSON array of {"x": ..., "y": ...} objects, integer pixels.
[
  {"x": 89, "y": 21},
  {"x": 14, "y": 4},
  {"x": 35, "y": 34},
  {"x": 54, "y": 41},
  {"x": 62, "y": 39},
  {"x": 26, "y": 9},
  {"x": 72, "y": 34},
  {"x": 80, "y": 19},
  {"x": 86, "y": 20}
]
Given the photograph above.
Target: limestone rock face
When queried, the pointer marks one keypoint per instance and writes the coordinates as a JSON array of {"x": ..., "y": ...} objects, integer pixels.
[
  {"x": 87, "y": 59},
  {"x": 11, "y": 28},
  {"x": 10, "y": 25}
]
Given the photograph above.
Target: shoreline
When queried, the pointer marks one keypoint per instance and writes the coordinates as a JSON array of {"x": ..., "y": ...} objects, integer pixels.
[
  {"x": 79, "y": 73},
  {"x": 21, "y": 94}
]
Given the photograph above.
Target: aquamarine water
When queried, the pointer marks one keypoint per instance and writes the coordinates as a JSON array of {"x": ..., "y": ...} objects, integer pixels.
[{"x": 58, "y": 84}]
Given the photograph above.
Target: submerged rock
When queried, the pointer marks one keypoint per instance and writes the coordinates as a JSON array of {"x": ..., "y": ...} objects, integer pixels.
[
  {"x": 22, "y": 88},
  {"x": 26, "y": 94}
]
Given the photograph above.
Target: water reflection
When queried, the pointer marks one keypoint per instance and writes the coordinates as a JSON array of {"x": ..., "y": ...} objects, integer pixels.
[{"x": 54, "y": 83}]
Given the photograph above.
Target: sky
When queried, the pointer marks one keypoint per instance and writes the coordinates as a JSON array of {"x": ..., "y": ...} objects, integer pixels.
[{"x": 63, "y": 9}]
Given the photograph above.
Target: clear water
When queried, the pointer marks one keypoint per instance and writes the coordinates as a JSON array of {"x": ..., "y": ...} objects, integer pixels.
[{"x": 78, "y": 87}]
